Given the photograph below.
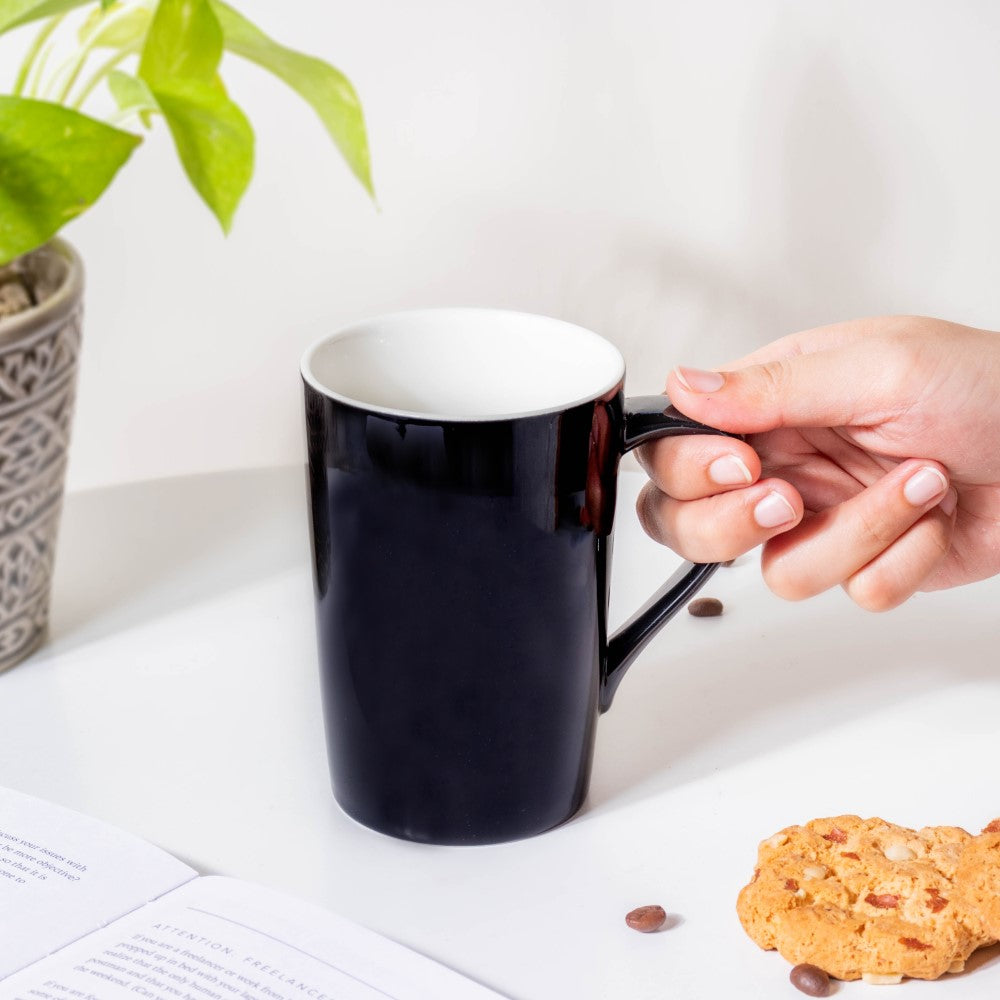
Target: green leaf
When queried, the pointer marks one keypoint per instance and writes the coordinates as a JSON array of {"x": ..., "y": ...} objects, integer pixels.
[
  {"x": 105, "y": 4},
  {"x": 132, "y": 94},
  {"x": 327, "y": 89},
  {"x": 54, "y": 164},
  {"x": 184, "y": 42},
  {"x": 14, "y": 13},
  {"x": 117, "y": 31},
  {"x": 213, "y": 139}
]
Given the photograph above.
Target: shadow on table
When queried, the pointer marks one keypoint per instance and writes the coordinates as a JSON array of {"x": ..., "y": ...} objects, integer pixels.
[
  {"x": 982, "y": 958},
  {"x": 131, "y": 553},
  {"x": 774, "y": 674},
  {"x": 751, "y": 682}
]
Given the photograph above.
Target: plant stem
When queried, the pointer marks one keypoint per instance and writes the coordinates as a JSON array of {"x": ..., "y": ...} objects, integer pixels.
[
  {"x": 36, "y": 46},
  {"x": 72, "y": 68},
  {"x": 122, "y": 116},
  {"x": 102, "y": 71},
  {"x": 35, "y": 87}
]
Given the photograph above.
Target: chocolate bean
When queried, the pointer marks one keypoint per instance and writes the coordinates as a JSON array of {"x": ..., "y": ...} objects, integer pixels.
[
  {"x": 646, "y": 918},
  {"x": 811, "y": 980},
  {"x": 705, "y": 607}
]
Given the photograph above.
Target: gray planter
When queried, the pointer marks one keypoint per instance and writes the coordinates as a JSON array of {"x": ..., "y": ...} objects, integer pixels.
[{"x": 39, "y": 350}]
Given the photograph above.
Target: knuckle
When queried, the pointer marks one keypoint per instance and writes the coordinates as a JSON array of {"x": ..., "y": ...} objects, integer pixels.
[
  {"x": 899, "y": 335},
  {"x": 786, "y": 588},
  {"x": 938, "y": 536},
  {"x": 703, "y": 549},
  {"x": 885, "y": 584},
  {"x": 874, "y": 532},
  {"x": 782, "y": 580},
  {"x": 774, "y": 377},
  {"x": 774, "y": 383},
  {"x": 644, "y": 456},
  {"x": 645, "y": 509},
  {"x": 680, "y": 527},
  {"x": 875, "y": 592}
]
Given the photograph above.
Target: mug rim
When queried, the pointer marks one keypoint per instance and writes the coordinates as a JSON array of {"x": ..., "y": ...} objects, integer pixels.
[{"x": 360, "y": 327}]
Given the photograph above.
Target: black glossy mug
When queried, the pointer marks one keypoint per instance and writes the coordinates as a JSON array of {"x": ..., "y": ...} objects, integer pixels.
[{"x": 463, "y": 471}]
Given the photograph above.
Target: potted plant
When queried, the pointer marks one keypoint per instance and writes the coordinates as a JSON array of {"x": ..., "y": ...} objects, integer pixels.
[{"x": 160, "y": 59}]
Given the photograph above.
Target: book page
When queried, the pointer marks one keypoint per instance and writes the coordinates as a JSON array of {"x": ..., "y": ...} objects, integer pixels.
[
  {"x": 63, "y": 875},
  {"x": 222, "y": 939}
]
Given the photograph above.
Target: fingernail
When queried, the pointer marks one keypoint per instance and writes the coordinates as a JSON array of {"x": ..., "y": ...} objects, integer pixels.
[
  {"x": 695, "y": 380},
  {"x": 773, "y": 510},
  {"x": 729, "y": 470},
  {"x": 924, "y": 485},
  {"x": 950, "y": 501}
]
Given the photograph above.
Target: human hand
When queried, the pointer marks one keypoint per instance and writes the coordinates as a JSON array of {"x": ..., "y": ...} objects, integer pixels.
[{"x": 871, "y": 460}]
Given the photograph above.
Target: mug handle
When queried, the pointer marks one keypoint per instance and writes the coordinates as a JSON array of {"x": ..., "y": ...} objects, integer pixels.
[{"x": 648, "y": 417}]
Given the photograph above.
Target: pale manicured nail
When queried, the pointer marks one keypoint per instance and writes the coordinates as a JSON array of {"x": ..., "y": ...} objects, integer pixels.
[
  {"x": 695, "y": 380},
  {"x": 773, "y": 510},
  {"x": 730, "y": 470},
  {"x": 950, "y": 501},
  {"x": 924, "y": 485}
]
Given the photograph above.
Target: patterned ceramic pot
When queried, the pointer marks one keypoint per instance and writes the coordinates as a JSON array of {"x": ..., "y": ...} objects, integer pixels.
[{"x": 39, "y": 349}]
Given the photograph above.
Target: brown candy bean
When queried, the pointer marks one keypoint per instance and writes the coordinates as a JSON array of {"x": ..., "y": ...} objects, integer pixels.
[
  {"x": 705, "y": 607},
  {"x": 646, "y": 918},
  {"x": 811, "y": 980}
]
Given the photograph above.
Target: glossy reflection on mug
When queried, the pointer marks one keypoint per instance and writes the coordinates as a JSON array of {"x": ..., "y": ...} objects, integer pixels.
[{"x": 462, "y": 469}]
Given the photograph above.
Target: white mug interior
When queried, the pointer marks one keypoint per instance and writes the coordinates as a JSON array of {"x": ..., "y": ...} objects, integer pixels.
[{"x": 463, "y": 364}]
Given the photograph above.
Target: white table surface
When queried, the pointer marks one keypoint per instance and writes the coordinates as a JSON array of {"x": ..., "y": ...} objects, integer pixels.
[{"x": 177, "y": 698}]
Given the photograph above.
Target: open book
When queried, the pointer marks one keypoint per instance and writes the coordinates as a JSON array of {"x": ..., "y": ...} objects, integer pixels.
[{"x": 90, "y": 912}]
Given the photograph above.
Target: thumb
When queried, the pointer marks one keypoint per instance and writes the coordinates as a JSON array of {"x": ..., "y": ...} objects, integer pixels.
[{"x": 849, "y": 385}]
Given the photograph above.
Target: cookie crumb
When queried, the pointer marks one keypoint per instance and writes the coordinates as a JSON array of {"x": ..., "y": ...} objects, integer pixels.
[{"x": 882, "y": 979}]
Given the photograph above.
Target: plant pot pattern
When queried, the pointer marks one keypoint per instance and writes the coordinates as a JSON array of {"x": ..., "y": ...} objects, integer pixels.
[{"x": 37, "y": 392}]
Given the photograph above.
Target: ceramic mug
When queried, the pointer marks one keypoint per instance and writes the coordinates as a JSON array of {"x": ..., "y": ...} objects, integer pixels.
[{"x": 462, "y": 469}]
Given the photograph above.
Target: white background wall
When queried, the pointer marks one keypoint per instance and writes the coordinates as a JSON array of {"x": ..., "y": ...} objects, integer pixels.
[{"x": 687, "y": 178}]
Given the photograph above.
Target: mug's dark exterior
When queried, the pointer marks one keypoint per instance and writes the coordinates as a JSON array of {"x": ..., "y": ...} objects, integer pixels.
[
  {"x": 461, "y": 586},
  {"x": 461, "y": 572}
]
